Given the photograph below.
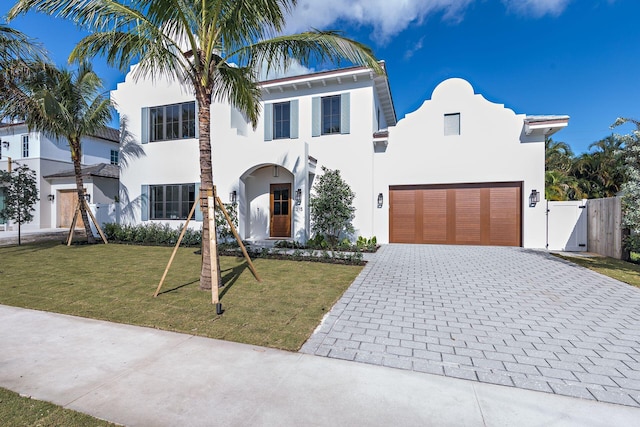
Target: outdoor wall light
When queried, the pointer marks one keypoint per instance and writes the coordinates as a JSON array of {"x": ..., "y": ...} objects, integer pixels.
[
  {"x": 233, "y": 196},
  {"x": 5, "y": 144},
  {"x": 380, "y": 200},
  {"x": 51, "y": 197},
  {"x": 298, "y": 196},
  {"x": 87, "y": 197},
  {"x": 534, "y": 198}
]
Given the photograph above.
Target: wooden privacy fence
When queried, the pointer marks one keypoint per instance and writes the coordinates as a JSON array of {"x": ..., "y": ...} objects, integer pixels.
[{"x": 605, "y": 232}]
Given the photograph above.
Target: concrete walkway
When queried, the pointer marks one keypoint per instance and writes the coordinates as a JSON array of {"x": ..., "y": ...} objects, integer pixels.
[
  {"x": 30, "y": 236},
  {"x": 145, "y": 377},
  {"x": 510, "y": 316}
]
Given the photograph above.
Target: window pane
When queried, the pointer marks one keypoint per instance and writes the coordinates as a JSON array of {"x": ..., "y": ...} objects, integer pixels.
[
  {"x": 173, "y": 121},
  {"x": 281, "y": 120},
  {"x": 285, "y": 208},
  {"x": 276, "y": 195},
  {"x": 189, "y": 120},
  {"x": 276, "y": 208},
  {"x": 331, "y": 114},
  {"x": 285, "y": 194},
  {"x": 157, "y": 123}
]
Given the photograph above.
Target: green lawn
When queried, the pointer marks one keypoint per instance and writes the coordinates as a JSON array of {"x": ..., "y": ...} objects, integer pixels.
[
  {"x": 627, "y": 272},
  {"x": 16, "y": 410},
  {"x": 117, "y": 282}
]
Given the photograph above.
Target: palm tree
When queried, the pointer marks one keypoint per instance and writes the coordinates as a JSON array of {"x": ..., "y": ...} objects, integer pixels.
[
  {"x": 215, "y": 46},
  {"x": 64, "y": 105},
  {"x": 20, "y": 56},
  {"x": 558, "y": 156}
]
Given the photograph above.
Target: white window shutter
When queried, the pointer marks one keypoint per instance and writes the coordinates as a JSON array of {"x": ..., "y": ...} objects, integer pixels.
[
  {"x": 316, "y": 116},
  {"x": 144, "y": 203},
  {"x": 268, "y": 122},
  {"x": 293, "y": 123},
  {"x": 144, "y": 131},
  {"x": 345, "y": 113}
]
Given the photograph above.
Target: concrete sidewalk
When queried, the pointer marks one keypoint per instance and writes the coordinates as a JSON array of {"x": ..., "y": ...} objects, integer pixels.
[
  {"x": 8, "y": 238},
  {"x": 146, "y": 377}
]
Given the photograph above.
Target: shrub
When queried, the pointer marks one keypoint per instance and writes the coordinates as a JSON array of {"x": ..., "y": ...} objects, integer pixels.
[
  {"x": 332, "y": 207},
  {"x": 152, "y": 234}
]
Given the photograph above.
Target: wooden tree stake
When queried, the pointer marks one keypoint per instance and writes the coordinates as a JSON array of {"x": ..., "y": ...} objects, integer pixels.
[
  {"x": 213, "y": 249},
  {"x": 95, "y": 221},
  {"x": 235, "y": 234},
  {"x": 73, "y": 223},
  {"x": 175, "y": 249}
]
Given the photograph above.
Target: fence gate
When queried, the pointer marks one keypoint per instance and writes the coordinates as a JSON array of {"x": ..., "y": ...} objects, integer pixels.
[{"x": 567, "y": 226}]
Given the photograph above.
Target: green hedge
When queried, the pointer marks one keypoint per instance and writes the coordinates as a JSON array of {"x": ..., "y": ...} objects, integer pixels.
[{"x": 151, "y": 234}]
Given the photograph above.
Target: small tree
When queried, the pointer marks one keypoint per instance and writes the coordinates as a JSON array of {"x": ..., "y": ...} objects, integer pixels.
[
  {"x": 21, "y": 194},
  {"x": 332, "y": 206},
  {"x": 631, "y": 188}
]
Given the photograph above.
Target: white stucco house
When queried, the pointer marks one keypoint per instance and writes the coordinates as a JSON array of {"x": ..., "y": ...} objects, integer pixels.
[
  {"x": 51, "y": 161},
  {"x": 459, "y": 170}
]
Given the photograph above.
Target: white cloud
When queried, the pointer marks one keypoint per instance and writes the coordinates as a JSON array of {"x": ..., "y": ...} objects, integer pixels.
[
  {"x": 386, "y": 17},
  {"x": 413, "y": 49},
  {"x": 278, "y": 71},
  {"x": 390, "y": 17},
  {"x": 537, "y": 8}
]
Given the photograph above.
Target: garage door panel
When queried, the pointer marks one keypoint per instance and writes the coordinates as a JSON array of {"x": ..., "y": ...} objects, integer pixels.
[
  {"x": 467, "y": 216},
  {"x": 471, "y": 214},
  {"x": 434, "y": 219},
  {"x": 403, "y": 216}
]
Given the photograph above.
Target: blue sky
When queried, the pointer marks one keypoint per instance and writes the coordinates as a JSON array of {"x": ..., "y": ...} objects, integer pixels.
[{"x": 575, "y": 57}]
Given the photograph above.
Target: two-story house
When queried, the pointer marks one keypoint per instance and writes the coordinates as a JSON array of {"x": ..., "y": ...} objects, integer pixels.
[
  {"x": 459, "y": 170},
  {"x": 50, "y": 158}
]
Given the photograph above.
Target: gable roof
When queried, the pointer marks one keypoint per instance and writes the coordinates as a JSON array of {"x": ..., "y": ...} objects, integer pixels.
[
  {"x": 102, "y": 170},
  {"x": 108, "y": 133}
]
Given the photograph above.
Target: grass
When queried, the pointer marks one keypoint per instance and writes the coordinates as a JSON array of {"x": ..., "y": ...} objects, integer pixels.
[
  {"x": 116, "y": 283},
  {"x": 16, "y": 410},
  {"x": 627, "y": 272}
]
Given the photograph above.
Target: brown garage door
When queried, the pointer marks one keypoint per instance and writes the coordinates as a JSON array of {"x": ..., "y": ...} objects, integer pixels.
[{"x": 468, "y": 214}]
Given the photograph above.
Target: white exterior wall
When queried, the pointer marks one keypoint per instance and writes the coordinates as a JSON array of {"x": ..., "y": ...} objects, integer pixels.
[
  {"x": 166, "y": 162},
  {"x": 490, "y": 148}
]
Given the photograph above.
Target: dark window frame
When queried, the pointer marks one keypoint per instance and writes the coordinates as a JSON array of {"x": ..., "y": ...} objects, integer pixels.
[
  {"x": 282, "y": 120},
  {"x": 168, "y": 201},
  {"x": 330, "y": 114},
  {"x": 169, "y": 123}
]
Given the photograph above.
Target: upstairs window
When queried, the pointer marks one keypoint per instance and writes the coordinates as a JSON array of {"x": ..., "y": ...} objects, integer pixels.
[
  {"x": 281, "y": 120},
  {"x": 330, "y": 115},
  {"x": 452, "y": 124},
  {"x": 115, "y": 157},
  {"x": 169, "y": 122},
  {"x": 25, "y": 146}
]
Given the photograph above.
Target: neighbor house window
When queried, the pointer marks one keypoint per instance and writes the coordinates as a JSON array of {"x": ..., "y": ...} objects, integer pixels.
[
  {"x": 452, "y": 124},
  {"x": 115, "y": 157},
  {"x": 171, "y": 201},
  {"x": 330, "y": 114},
  {"x": 282, "y": 120},
  {"x": 169, "y": 122},
  {"x": 25, "y": 145}
]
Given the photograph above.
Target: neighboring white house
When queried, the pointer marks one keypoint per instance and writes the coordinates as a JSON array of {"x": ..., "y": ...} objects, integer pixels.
[
  {"x": 51, "y": 161},
  {"x": 458, "y": 170}
]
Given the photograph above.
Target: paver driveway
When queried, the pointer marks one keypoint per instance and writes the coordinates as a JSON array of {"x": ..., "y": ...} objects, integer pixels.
[{"x": 508, "y": 316}]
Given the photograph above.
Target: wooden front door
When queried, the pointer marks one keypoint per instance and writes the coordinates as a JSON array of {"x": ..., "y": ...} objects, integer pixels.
[
  {"x": 280, "y": 200},
  {"x": 66, "y": 202}
]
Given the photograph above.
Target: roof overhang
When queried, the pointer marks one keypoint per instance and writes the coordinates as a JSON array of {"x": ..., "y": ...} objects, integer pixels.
[{"x": 544, "y": 125}]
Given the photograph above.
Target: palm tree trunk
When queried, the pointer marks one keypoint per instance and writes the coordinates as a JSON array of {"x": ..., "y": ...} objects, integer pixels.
[
  {"x": 77, "y": 169},
  {"x": 206, "y": 183}
]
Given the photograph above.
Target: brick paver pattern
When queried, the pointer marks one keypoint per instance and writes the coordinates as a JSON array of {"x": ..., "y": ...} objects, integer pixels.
[{"x": 509, "y": 316}]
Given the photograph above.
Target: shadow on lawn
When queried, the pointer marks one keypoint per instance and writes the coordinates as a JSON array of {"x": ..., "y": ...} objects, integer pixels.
[
  {"x": 179, "y": 287},
  {"x": 230, "y": 277}
]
